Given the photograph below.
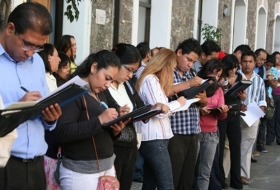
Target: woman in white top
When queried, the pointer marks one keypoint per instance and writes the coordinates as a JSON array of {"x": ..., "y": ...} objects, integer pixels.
[
  {"x": 155, "y": 82},
  {"x": 51, "y": 61}
]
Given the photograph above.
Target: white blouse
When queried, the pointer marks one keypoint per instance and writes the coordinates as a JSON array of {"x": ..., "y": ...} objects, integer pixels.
[
  {"x": 51, "y": 81},
  {"x": 157, "y": 127}
]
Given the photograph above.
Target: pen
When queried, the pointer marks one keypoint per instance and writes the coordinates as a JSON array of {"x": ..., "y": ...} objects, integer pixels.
[
  {"x": 104, "y": 105},
  {"x": 24, "y": 89},
  {"x": 192, "y": 72}
]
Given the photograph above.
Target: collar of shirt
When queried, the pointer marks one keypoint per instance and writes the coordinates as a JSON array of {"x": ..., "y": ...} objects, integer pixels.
[{"x": 252, "y": 76}]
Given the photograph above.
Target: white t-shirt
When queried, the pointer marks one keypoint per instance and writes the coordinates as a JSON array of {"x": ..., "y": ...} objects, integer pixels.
[{"x": 6, "y": 142}]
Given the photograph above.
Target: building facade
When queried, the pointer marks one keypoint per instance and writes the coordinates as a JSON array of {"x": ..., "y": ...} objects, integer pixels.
[{"x": 165, "y": 23}]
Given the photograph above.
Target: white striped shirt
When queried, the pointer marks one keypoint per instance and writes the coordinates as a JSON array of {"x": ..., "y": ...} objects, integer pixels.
[
  {"x": 256, "y": 91},
  {"x": 157, "y": 127}
]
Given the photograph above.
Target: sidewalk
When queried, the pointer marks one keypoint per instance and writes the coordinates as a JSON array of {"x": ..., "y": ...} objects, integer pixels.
[{"x": 265, "y": 174}]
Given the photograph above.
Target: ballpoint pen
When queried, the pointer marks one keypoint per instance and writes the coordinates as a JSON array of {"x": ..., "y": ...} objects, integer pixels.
[
  {"x": 104, "y": 105},
  {"x": 24, "y": 89}
]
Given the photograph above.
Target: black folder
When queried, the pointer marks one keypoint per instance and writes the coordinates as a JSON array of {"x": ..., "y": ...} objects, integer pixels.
[
  {"x": 237, "y": 87},
  {"x": 140, "y": 114},
  {"x": 190, "y": 93},
  {"x": 64, "y": 96},
  {"x": 12, "y": 118}
]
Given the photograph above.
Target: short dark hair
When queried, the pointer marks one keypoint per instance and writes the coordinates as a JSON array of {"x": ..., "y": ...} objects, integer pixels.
[
  {"x": 65, "y": 44},
  {"x": 248, "y": 53},
  {"x": 48, "y": 50},
  {"x": 242, "y": 48},
  {"x": 258, "y": 51},
  {"x": 32, "y": 16},
  {"x": 144, "y": 49},
  {"x": 230, "y": 62},
  {"x": 209, "y": 67},
  {"x": 128, "y": 54},
  {"x": 104, "y": 59},
  {"x": 271, "y": 59},
  {"x": 210, "y": 46},
  {"x": 188, "y": 46},
  {"x": 64, "y": 60}
]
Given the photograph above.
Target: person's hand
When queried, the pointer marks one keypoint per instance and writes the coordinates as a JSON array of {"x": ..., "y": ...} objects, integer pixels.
[
  {"x": 51, "y": 113},
  {"x": 243, "y": 107},
  {"x": 204, "y": 111},
  {"x": 223, "y": 109},
  {"x": 124, "y": 110},
  {"x": 182, "y": 100},
  {"x": 119, "y": 126},
  {"x": 195, "y": 81},
  {"x": 164, "y": 108},
  {"x": 272, "y": 82},
  {"x": 31, "y": 96},
  {"x": 108, "y": 115},
  {"x": 203, "y": 98},
  {"x": 242, "y": 95}
]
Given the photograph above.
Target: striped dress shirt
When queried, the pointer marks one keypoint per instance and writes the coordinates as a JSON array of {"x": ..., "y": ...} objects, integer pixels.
[{"x": 256, "y": 91}]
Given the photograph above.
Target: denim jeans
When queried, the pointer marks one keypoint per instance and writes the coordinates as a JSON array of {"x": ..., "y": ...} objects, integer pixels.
[
  {"x": 157, "y": 165},
  {"x": 208, "y": 144}
]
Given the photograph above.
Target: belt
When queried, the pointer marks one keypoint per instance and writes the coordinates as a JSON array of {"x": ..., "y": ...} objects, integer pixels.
[
  {"x": 27, "y": 160},
  {"x": 236, "y": 113},
  {"x": 233, "y": 112}
]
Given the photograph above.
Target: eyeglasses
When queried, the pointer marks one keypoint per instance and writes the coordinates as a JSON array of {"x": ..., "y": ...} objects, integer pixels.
[
  {"x": 128, "y": 69},
  {"x": 27, "y": 46}
]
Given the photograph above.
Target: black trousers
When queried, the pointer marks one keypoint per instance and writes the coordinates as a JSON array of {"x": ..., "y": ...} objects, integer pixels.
[
  {"x": 22, "y": 174},
  {"x": 125, "y": 165},
  {"x": 273, "y": 126},
  {"x": 231, "y": 127},
  {"x": 183, "y": 152},
  {"x": 262, "y": 129}
]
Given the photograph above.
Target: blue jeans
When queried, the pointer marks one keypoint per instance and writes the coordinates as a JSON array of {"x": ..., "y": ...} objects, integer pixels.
[
  {"x": 157, "y": 165},
  {"x": 208, "y": 144}
]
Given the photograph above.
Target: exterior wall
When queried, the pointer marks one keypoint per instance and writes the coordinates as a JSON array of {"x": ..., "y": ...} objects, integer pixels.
[
  {"x": 251, "y": 23},
  {"x": 182, "y": 22},
  {"x": 270, "y": 26},
  {"x": 101, "y": 36},
  {"x": 224, "y": 22},
  {"x": 125, "y": 24}
]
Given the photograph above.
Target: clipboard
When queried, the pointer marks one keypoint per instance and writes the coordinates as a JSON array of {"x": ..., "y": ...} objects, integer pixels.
[
  {"x": 237, "y": 87},
  {"x": 190, "y": 93},
  {"x": 12, "y": 118},
  {"x": 63, "y": 96},
  {"x": 142, "y": 113}
]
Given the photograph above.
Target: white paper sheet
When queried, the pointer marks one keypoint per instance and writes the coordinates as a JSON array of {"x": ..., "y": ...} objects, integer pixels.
[
  {"x": 187, "y": 104},
  {"x": 253, "y": 113}
]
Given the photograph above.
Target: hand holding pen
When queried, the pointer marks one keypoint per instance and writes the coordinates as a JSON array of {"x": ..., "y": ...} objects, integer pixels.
[{"x": 30, "y": 96}]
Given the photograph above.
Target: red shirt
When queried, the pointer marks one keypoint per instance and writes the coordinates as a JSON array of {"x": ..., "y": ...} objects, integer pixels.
[{"x": 208, "y": 123}]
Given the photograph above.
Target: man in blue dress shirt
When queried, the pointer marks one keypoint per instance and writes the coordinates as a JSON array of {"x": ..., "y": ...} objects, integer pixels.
[{"x": 28, "y": 26}]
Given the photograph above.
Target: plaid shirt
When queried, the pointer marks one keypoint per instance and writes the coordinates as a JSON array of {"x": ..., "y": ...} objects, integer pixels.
[{"x": 185, "y": 122}]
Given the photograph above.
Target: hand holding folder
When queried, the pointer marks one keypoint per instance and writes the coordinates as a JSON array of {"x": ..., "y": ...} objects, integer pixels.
[
  {"x": 142, "y": 113},
  {"x": 237, "y": 87}
]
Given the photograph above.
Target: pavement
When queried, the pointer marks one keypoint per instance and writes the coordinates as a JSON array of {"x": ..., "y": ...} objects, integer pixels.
[{"x": 265, "y": 174}]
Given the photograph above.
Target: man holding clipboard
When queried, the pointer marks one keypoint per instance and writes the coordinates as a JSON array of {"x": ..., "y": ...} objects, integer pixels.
[
  {"x": 28, "y": 26},
  {"x": 255, "y": 93}
]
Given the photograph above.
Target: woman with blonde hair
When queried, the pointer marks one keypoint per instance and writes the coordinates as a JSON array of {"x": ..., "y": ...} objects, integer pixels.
[{"x": 153, "y": 85}]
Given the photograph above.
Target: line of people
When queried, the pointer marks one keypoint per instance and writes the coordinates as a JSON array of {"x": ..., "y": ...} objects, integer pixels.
[{"x": 182, "y": 150}]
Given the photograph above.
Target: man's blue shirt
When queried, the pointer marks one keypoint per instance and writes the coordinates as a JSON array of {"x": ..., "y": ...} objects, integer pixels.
[{"x": 31, "y": 75}]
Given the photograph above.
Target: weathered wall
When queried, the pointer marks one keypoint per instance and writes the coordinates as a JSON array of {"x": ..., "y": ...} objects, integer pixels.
[
  {"x": 125, "y": 24},
  {"x": 182, "y": 21},
  {"x": 102, "y": 35},
  {"x": 224, "y": 22},
  {"x": 270, "y": 25},
  {"x": 251, "y": 23}
]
